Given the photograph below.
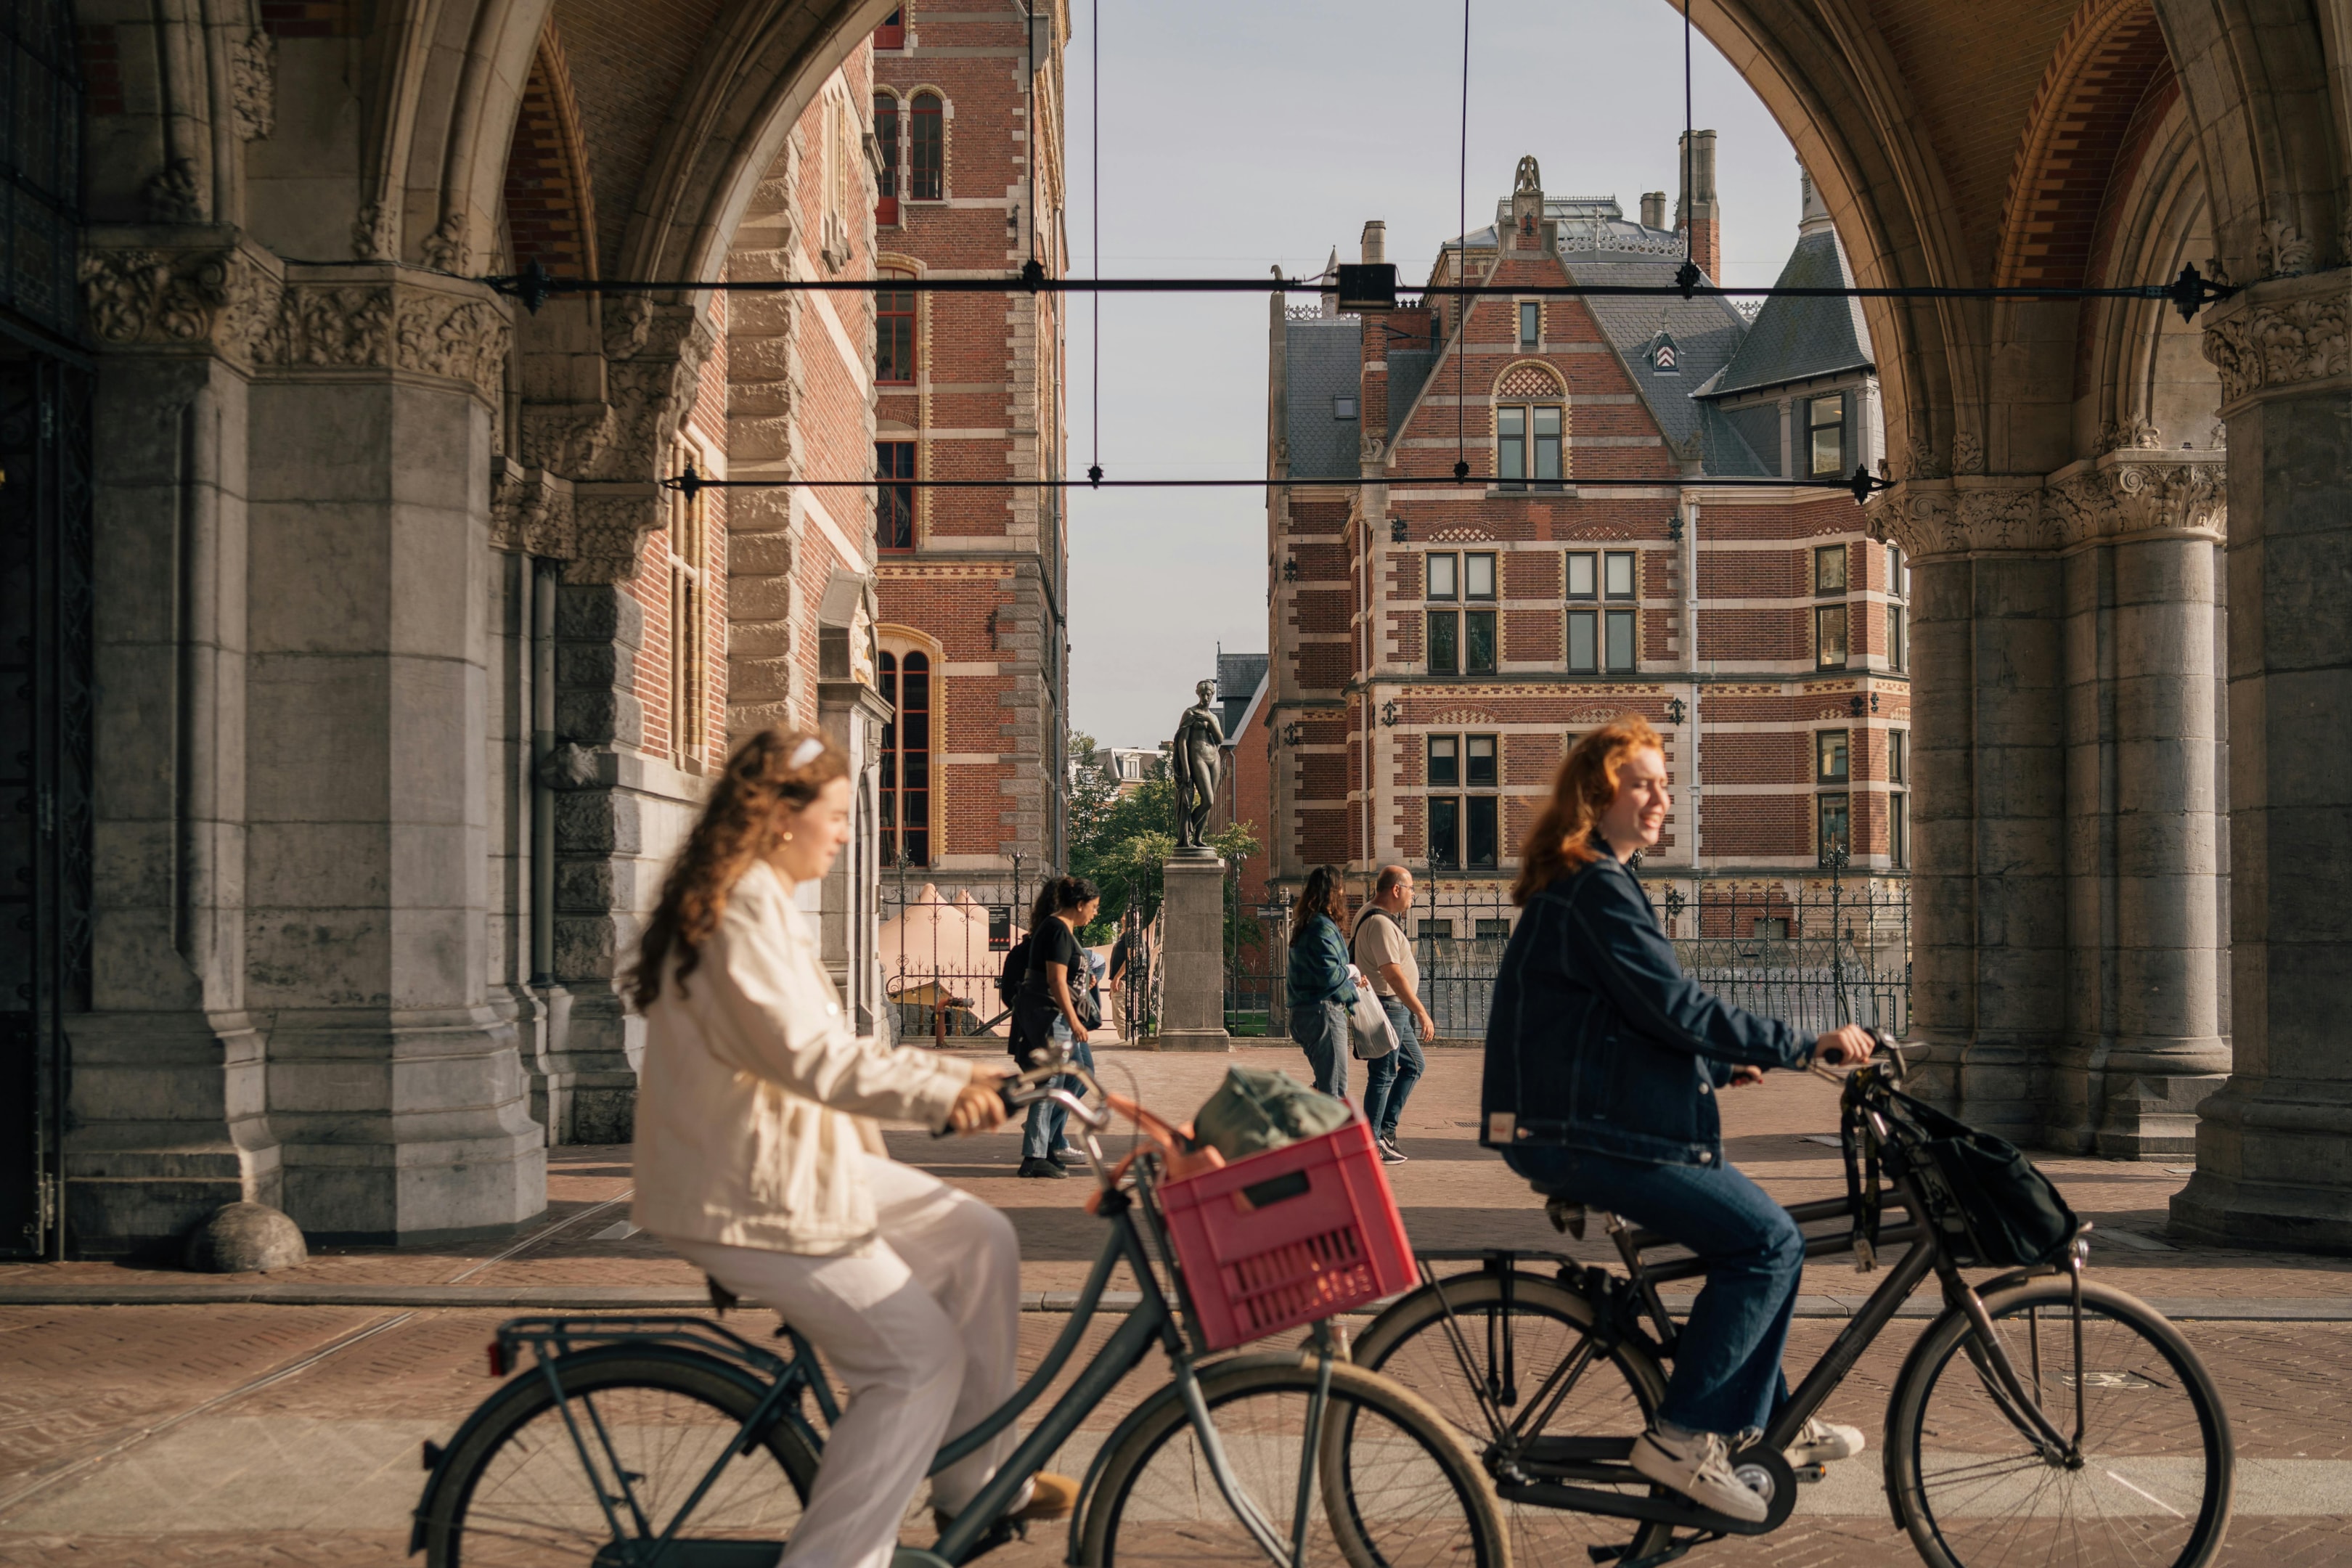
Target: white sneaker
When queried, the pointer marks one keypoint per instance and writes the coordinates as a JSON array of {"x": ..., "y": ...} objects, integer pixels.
[
  {"x": 1699, "y": 1467},
  {"x": 1389, "y": 1153},
  {"x": 1824, "y": 1443}
]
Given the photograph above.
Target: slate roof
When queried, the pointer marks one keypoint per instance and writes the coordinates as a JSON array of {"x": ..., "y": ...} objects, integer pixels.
[
  {"x": 1706, "y": 332},
  {"x": 1793, "y": 339},
  {"x": 1239, "y": 675},
  {"x": 1325, "y": 360}
]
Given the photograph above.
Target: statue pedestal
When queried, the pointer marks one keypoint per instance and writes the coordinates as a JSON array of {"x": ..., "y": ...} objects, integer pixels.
[{"x": 1192, "y": 1000}]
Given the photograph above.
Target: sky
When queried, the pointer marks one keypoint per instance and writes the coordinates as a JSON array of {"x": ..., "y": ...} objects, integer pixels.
[{"x": 1236, "y": 134}]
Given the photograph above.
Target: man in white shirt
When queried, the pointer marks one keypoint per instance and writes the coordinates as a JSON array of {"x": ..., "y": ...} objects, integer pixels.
[{"x": 1384, "y": 952}]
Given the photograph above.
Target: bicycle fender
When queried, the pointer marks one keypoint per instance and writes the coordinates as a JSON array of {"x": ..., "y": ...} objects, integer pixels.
[
  {"x": 1144, "y": 1411},
  {"x": 579, "y": 1361}
]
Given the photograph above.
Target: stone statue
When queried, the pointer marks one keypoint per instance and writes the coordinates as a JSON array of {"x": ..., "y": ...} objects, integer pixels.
[{"x": 1199, "y": 760}]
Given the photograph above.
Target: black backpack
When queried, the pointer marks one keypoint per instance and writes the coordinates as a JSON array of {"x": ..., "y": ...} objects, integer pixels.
[{"x": 1016, "y": 970}]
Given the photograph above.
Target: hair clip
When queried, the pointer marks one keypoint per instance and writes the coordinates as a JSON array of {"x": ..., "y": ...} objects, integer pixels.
[{"x": 806, "y": 753}]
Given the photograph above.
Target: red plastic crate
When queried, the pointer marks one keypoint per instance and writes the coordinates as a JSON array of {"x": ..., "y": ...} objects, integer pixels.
[{"x": 1289, "y": 1237}]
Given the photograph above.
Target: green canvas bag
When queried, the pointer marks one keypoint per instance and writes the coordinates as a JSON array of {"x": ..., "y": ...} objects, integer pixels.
[{"x": 1258, "y": 1109}]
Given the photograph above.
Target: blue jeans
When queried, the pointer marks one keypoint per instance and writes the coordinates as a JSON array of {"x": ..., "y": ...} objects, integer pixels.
[
  {"x": 1727, "y": 1374},
  {"x": 1042, "y": 1132},
  {"x": 1321, "y": 1030},
  {"x": 1388, "y": 1081}
]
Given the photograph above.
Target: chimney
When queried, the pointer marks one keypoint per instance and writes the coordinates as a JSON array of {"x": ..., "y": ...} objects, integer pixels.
[
  {"x": 1376, "y": 242},
  {"x": 1696, "y": 210},
  {"x": 1654, "y": 209}
]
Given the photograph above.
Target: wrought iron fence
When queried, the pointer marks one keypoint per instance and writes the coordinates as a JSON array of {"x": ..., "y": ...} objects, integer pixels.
[
  {"x": 943, "y": 944},
  {"x": 1816, "y": 950}
]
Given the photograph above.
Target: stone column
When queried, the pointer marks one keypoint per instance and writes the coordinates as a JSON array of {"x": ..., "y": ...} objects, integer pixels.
[
  {"x": 396, "y": 1089},
  {"x": 2144, "y": 1043},
  {"x": 1193, "y": 999},
  {"x": 1987, "y": 899},
  {"x": 2275, "y": 1143},
  {"x": 167, "y": 1118}
]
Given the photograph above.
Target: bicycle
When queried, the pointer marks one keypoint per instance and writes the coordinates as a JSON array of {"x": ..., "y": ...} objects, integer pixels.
[
  {"x": 674, "y": 1442},
  {"x": 2039, "y": 1417}
]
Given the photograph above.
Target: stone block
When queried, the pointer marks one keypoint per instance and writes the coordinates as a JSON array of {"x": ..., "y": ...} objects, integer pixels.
[
  {"x": 596, "y": 612},
  {"x": 602, "y": 716},
  {"x": 1192, "y": 1009},
  {"x": 753, "y": 555},
  {"x": 761, "y": 598},
  {"x": 245, "y": 1238}
]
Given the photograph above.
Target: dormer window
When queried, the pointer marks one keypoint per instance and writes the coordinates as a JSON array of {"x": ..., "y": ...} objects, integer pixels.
[
  {"x": 1664, "y": 357},
  {"x": 1343, "y": 408}
]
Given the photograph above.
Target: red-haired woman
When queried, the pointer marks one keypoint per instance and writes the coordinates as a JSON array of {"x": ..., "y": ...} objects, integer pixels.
[
  {"x": 1602, "y": 1063},
  {"x": 759, "y": 1159}
]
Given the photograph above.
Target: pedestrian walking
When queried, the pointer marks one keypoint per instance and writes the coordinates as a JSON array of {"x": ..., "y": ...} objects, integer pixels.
[
  {"x": 1054, "y": 1011},
  {"x": 1321, "y": 983},
  {"x": 1383, "y": 954}
]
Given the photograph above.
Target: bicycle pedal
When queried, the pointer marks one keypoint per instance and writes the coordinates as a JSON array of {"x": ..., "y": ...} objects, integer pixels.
[{"x": 1808, "y": 1473}]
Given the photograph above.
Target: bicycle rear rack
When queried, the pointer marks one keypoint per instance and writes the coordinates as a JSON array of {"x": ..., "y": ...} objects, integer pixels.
[{"x": 560, "y": 1336}]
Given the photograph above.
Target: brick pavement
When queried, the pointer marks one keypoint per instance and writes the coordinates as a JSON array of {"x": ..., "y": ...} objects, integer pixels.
[{"x": 125, "y": 1438}]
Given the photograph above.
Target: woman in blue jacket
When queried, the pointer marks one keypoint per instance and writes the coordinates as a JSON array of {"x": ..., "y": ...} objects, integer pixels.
[
  {"x": 1602, "y": 1064},
  {"x": 1320, "y": 985}
]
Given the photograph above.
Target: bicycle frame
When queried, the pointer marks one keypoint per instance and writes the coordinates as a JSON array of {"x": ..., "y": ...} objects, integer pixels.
[{"x": 552, "y": 1340}]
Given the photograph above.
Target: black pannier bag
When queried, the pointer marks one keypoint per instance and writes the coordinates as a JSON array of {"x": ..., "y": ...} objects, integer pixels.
[{"x": 1994, "y": 1208}]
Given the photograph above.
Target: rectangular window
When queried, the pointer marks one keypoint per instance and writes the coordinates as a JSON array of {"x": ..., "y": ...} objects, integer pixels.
[
  {"x": 886, "y": 156},
  {"x": 1898, "y": 576},
  {"x": 1343, "y": 406},
  {"x": 928, "y": 149},
  {"x": 1829, "y": 569},
  {"x": 1446, "y": 760},
  {"x": 1434, "y": 931},
  {"x": 1898, "y": 828},
  {"x": 1480, "y": 760},
  {"x": 1829, "y": 637},
  {"x": 894, "y": 504},
  {"x": 1769, "y": 928},
  {"x": 1584, "y": 575},
  {"x": 1530, "y": 324},
  {"x": 1444, "y": 644},
  {"x": 1825, "y": 424},
  {"x": 1478, "y": 642},
  {"x": 1898, "y": 759},
  {"x": 1835, "y": 840},
  {"x": 1617, "y": 575},
  {"x": 1485, "y": 839},
  {"x": 1584, "y": 642},
  {"x": 894, "y": 338},
  {"x": 1442, "y": 583},
  {"x": 892, "y": 33},
  {"x": 1546, "y": 444},
  {"x": 1897, "y": 637},
  {"x": 1445, "y": 834},
  {"x": 688, "y": 660},
  {"x": 1511, "y": 448},
  {"x": 1621, "y": 650},
  {"x": 1830, "y": 756},
  {"x": 1493, "y": 929},
  {"x": 1477, "y": 576}
]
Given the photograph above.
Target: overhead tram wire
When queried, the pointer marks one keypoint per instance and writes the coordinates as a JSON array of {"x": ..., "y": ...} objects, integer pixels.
[
  {"x": 1860, "y": 484},
  {"x": 1461, "y": 266},
  {"x": 1094, "y": 174}
]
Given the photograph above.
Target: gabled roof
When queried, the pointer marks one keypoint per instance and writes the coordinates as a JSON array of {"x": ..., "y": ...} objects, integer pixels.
[
  {"x": 1795, "y": 338},
  {"x": 1242, "y": 708},
  {"x": 1325, "y": 360},
  {"x": 1239, "y": 675},
  {"x": 1705, "y": 329}
]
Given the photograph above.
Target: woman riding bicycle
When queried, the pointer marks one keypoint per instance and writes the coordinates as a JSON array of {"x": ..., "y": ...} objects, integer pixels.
[
  {"x": 759, "y": 1159},
  {"x": 1602, "y": 1064}
]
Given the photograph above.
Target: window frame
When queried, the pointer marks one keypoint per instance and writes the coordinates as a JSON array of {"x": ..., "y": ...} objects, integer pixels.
[
  {"x": 1898, "y": 635},
  {"x": 1591, "y": 559},
  {"x": 1631, "y": 621},
  {"x": 1450, "y": 620},
  {"x": 1632, "y": 559},
  {"x": 1429, "y": 590},
  {"x": 1548, "y": 450},
  {"x": 685, "y": 547},
  {"x": 1898, "y": 756},
  {"x": 1842, "y": 739},
  {"x": 1899, "y": 829},
  {"x": 889, "y": 119},
  {"x": 1482, "y": 811},
  {"x": 1480, "y": 631},
  {"x": 891, "y": 306},
  {"x": 1511, "y": 446},
  {"x": 1450, "y": 839},
  {"x": 1589, "y": 619},
  {"x": 890, "y": 33},
  {"x": 1451, "y": 761},
  {"x": 1470, "y": 561},
  {"x": 1823, "y": 614},
  {"x": 893, "y": 819},
  {"x": 1494, "y": 760},
  {"x": 1530, "y": 323},
  {"x": 1823, "y": 555},
  {"x": 1841, "y": 802},
  {"x": 1345, "y": 406},
  {"x": 937, "y": 115},
  {"x": 1815, "y": 425},
  {"x": 894, "y": 501}
]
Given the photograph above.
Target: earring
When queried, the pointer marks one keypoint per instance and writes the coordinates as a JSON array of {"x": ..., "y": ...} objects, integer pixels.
[{"x": 788, "y": 838}]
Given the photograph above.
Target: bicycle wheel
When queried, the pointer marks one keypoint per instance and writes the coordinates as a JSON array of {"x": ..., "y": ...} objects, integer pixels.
[
  {"x": 1548, "y": 1323},
  {"x": 518, "y": 1495},
  {"x": 1391, "y": 1487},
  {"x": 2152, "y": 1489}
]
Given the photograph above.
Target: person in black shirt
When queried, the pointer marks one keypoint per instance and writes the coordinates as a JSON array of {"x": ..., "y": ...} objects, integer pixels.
[{"x": 1055, "y": 1009}]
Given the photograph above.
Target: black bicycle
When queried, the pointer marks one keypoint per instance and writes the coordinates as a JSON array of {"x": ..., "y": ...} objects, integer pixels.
[
  {"x": 673, "y": 1442},
  {"x": 2040, "y": 1418}
]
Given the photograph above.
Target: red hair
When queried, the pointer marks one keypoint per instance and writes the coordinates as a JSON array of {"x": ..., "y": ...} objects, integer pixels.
[{"x": 1586, "y": 785}]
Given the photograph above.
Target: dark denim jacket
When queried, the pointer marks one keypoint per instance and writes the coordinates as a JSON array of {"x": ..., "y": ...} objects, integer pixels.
[
  {"x": 1319, "y": 965},
  {"x": 1598, "y": 1040}
]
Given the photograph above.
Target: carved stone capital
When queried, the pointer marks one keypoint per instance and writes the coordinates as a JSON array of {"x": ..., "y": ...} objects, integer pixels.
[
  {"x": 2132, "y": 494},
  {"x": 1962, "y": 517},
  {"x": 611, "y": 524},
  {"x": 253, "y": 84},
  {"x": 2282, "y": 334},
  {"x": 156, "y": 288},
  {"x": 532, "y": 512}
]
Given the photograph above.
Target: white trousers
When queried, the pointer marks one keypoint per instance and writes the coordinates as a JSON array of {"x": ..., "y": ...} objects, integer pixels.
[{"x": 925, "y": 1331}]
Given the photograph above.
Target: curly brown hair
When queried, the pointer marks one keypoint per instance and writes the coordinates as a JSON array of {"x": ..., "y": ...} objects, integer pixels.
[
  {"x": 1326, "y": 893},
  {"x": 738, "y": 826},
  {"x": 1561, "y": 839}
]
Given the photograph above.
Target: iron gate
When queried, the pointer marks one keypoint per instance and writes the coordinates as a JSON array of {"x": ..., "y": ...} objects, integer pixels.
[{"x": 45, "y": 777}]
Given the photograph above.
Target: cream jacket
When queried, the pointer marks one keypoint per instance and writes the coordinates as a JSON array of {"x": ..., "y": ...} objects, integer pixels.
[{"x": 753, "y": 1098}]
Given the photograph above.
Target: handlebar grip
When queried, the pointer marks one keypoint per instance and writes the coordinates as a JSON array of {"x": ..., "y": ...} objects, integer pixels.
[{"x": 1005, "y": 1089}]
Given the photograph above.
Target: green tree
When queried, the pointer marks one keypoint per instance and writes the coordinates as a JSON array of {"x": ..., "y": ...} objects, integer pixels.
[{"x": 1120, "y": 841}]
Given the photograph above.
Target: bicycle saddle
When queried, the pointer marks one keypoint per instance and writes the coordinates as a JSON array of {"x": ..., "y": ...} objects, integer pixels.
[{"x": 1567, "y": 1214}]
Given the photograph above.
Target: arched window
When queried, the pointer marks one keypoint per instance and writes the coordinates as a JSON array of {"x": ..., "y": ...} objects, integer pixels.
[
  {"x": 907, "y": 759},
  {"x": 886, "y": 155},
  {"x": 928, "y": 150}
]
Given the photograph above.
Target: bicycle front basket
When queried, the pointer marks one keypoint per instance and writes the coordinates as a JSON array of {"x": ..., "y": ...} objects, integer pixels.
[{"x": 2000, "y": 1210}]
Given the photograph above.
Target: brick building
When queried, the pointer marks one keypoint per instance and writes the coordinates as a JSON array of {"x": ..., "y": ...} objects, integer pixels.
[
  {"x": 967, "y": 116},
  {"x": 1437, "y": 646}
]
